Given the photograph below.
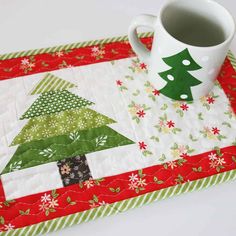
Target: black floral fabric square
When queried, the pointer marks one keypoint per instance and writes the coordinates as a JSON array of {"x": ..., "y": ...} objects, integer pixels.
[{"x": 74, "y": 170}]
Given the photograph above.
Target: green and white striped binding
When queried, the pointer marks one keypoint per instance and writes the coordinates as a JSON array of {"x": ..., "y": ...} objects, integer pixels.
[
  {"x": 68, "y": 46},
  {"x": 51, "y": 82},
  {"x": 62, "y": 222},
  {"x": 232, "y": 59}
]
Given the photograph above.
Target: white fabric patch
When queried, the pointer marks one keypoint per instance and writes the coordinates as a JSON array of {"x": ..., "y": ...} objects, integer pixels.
[
  {"x": 117, "y": 160},
  {"x": 32, "y": 180}
]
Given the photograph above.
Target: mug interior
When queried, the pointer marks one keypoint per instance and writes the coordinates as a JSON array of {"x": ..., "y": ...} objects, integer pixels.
[{"x": 201, "y": 23}]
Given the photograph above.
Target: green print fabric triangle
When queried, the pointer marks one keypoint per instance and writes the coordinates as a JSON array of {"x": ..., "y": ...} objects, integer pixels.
[
  {"x": 65, "y": 146},
  {"x": 60, "y": 123},
  {"x": 51, "y": 83},
  {"x": 53, "y": 102}
]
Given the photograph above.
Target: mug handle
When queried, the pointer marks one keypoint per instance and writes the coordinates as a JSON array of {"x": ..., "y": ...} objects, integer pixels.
[{"x": 141, "y": 20}]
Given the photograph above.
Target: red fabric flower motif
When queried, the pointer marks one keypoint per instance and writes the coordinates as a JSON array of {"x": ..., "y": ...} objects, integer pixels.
[
  {"x": 184, "y": 107},
  {"x": 141, "y": 113},
  {"x": 210, "y": 100},
  {"x": 170, "y": 124},
  {"x": 156, "y": 92},
  {"x": 119, "y": 83},
  {"x": 184, "y": 155},
  {"x": 143, "y": 66},
  {"x": 215, "y": 130},
  {"x": 142, "y": 145}
]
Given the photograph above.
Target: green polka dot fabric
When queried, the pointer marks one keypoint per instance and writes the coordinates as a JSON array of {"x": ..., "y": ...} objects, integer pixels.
[
  {"x": 61, "y": 123},
  {"x": 54, "y": 102}
]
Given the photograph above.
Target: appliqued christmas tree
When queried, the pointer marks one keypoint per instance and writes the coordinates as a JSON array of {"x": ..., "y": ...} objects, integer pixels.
[
  {"x": 63, "y": 129},
  {"x": 179, "y": 80}
]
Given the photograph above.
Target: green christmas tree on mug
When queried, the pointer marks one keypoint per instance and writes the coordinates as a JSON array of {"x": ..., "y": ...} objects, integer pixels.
[{"x": 179, "y": 80}]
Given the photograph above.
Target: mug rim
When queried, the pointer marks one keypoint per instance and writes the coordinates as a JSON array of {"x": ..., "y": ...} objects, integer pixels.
[{"x": 226, "y": 41}]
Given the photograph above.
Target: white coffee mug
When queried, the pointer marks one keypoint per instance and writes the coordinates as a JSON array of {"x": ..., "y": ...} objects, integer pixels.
[{"x": 191, "y": 40}]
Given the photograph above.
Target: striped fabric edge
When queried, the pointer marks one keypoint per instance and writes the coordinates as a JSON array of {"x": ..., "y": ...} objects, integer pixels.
[
  {"x": 51, "y": 82},
  {"x": 121, "y": 206},
  {"x": 69, "y": 46},
  {"x": 232, "y": 59}
]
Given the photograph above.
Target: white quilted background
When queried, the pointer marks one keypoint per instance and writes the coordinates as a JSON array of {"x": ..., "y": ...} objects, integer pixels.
[
  {"x": 114, "y": 103},
  {"x": 97, "y": 83}
]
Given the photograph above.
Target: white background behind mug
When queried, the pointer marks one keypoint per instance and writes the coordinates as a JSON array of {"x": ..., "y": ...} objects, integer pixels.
[{"x": 27, "y": 24}]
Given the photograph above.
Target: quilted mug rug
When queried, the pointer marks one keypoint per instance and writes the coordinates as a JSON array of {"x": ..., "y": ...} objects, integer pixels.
[{"x": 85, "y": 134}]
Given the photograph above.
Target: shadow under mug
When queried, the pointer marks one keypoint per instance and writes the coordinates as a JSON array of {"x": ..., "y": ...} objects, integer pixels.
[{"x": 191, "y": 41}]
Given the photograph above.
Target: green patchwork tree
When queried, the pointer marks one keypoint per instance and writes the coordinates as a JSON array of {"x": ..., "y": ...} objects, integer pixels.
[
  {"x": 179, "y": 81},
  {"x": 61, "y": 125}
]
